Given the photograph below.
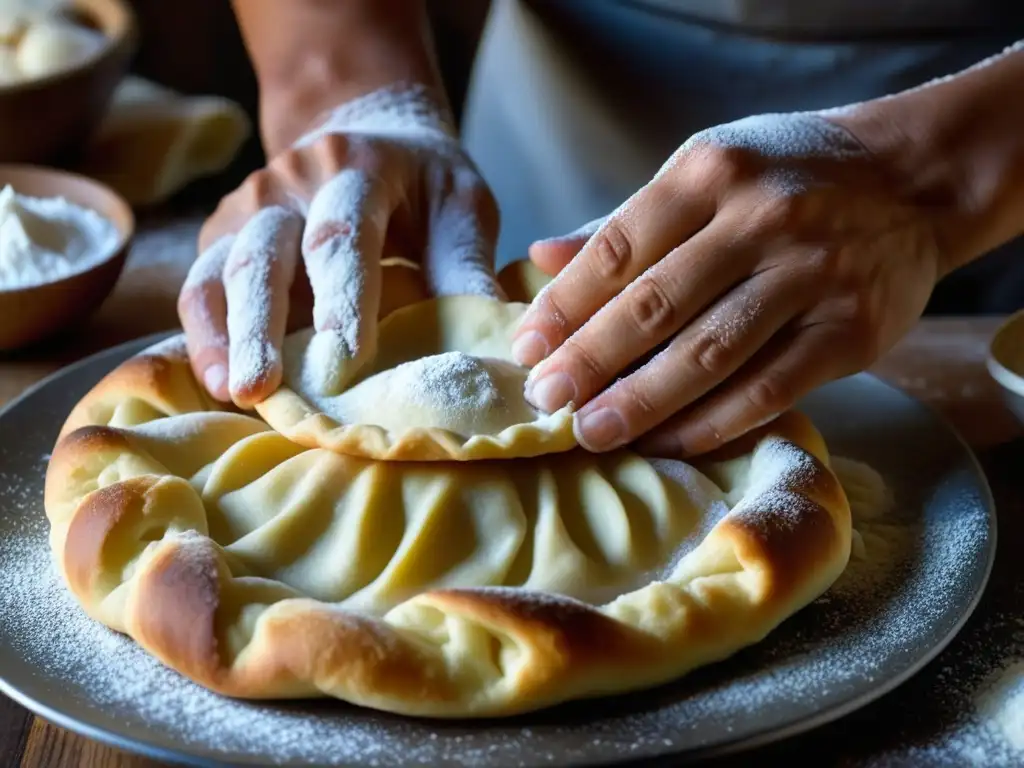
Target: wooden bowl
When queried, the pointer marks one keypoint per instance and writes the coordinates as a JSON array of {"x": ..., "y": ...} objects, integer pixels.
[
  {"x": 50, "y": 118},
  {"x": 29, "y": 315}
]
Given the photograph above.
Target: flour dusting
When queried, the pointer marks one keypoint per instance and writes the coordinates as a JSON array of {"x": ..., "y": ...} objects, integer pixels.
[
  {"x": 260, "y": 265},
  {"x": 454, "y": 391},
  {"x": 780, "y": 137}
]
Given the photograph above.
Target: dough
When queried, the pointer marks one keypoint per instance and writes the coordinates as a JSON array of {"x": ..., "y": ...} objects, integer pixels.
[
  {"x": 262, "y": 568},
  {"x": 154, "y": 141},
  {"x": 443, "y": 386},
  {"x": 52, "y": 46}
]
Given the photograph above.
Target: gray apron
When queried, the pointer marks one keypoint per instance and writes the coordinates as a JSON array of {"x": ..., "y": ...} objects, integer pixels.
[{"x": 574, "y": 105}]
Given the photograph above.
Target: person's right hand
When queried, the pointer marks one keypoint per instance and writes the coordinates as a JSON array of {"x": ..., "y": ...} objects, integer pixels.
[{"x": 384, "y": 175}]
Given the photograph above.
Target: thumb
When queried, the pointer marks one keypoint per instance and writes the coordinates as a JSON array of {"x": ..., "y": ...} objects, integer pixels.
[{"x": 554, "y": 253}]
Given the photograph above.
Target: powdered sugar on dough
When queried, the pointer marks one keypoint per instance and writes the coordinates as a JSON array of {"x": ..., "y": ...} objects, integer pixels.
[
  {"x": 454, "y": 391},
  {"x": 260, "y": 265}
]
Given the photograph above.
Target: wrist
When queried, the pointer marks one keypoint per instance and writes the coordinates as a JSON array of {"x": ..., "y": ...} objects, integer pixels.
[{"x": 954, "y": 148}]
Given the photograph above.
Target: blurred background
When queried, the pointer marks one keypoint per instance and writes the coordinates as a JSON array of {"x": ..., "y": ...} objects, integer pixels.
[{"x": 217, "y": 63}]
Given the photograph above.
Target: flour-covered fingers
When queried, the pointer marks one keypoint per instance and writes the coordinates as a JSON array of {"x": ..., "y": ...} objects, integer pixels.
[
  {"x": 459, "y": 257},
  {"x": 342, "y": 246},
  {"x": 644, "y": 230},
  {"x": 708, "y": 351},
  {"x": 258, "y": 274},
  {"x": 649, "y": 311},
  {"x": 202, "y": 310},
  {"x": 797, "y": 361}
]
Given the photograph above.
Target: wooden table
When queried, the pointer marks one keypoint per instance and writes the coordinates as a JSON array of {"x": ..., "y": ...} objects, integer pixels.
[{"x": 941, "y": 362}]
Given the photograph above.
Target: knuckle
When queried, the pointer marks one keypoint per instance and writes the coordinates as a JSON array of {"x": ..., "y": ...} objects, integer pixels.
[
  {"x": 782, "y": 211},
  {"x": 826, "y": 263},
  {"x": 724, "y": 164},
  {"x": 583, "y": 359},
  {"x": 712, "y": 352},
  {"x": 259, "y": 188},
  {"x": 332, "y": 147},
  {"x": 290, "y": 162},
  {"x": 768, "y": 394},
  {"x": 612, "y": 251},
  {"x": 651, "y": 307},
  {"x": 638, "y": 403},
  {"x": 550, "y": 306}
]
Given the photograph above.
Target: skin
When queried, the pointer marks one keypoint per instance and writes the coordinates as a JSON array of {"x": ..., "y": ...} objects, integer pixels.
[
  {"x": 738, "y": 279},
  {"x": 278, "y": 252},
  {"x": 748, "y": 293}
]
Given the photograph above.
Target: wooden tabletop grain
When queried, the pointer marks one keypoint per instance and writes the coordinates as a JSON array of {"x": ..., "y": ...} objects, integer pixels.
[{"x": 941, "y": 362}]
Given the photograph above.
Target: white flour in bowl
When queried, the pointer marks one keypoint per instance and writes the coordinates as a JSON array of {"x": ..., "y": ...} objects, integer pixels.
[{"x": 47, "y": 239}]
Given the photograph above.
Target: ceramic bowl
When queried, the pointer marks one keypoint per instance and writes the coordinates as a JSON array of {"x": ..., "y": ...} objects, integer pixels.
[
  {"x": 1005, "y": 361},
  {"x": 32, "y": 314},
  {"x": 47, "y": 119}
]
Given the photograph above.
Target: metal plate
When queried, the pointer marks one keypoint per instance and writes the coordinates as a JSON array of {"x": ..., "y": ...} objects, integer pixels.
[{"x": 826, "y": 661}]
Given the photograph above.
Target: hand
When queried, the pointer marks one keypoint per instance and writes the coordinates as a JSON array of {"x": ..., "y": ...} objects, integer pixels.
[
  {"x": 382, "y": 175},
  {"x": 767, "y": 257}
]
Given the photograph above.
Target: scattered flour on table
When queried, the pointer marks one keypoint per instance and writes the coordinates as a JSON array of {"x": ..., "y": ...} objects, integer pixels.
[
  {"x": 47, "y": 239},
  {"x": 1001, "y": 705}
]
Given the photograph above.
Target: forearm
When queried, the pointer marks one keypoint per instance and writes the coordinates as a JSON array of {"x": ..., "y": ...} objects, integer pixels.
[
  {"x": 958, "y": 146},
  {"x": 312, "y": 55}
]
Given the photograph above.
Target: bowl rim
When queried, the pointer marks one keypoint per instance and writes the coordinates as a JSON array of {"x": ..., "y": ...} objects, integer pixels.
[
  {"x": 125, "y": 234},
  {"x": 124, "y": 43},
  {"x": 998, "y": 367}
]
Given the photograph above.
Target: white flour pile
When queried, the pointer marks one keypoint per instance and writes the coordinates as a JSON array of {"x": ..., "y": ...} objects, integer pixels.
[
  {"x": 46, "y": 239},
  {"x": 812, "y": 663}
]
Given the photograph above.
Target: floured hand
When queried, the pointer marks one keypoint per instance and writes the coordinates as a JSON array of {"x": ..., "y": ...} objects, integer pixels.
[
  {"x": 767, "y": 257},
  {"x": 382, "y": 175}
]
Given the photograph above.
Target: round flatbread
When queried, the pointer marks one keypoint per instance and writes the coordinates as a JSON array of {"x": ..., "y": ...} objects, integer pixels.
[{"x": 262, "y": 568}]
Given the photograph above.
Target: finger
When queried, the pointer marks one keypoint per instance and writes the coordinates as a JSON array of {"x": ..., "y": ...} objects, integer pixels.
[
  {"x": 648, "y": 226},
  {"x": 789, "y": 368},
  {"x": 650, "y": 310},
  {"x": 342, "y": 247},
  {"x": 708, "y": 351},
  {"x": 257, "y": 277},
  {"x": 459, "y": 257},
  {"x": 553, "y": 254},
  {"x": 202, "y": 310}
]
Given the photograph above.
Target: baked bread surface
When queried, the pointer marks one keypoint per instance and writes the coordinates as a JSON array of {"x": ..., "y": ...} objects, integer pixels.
[{"x": 260, "y": 567}]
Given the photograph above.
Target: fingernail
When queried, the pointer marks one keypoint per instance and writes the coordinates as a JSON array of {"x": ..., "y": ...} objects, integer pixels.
[
  {"x": 215, "y": 377},
  {"x": 551, "y": 392},
  {"x": 529, "y": 349},
  {"x": 600, "y": 430}
]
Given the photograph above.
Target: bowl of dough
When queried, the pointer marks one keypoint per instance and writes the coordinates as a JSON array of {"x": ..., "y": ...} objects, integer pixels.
[
  {"x": 60, "y": 63},
  {"x": 63, "y": 243}
]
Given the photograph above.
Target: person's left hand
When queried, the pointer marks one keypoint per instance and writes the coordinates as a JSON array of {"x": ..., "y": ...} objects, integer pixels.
[{"x": 767, "y": 257}]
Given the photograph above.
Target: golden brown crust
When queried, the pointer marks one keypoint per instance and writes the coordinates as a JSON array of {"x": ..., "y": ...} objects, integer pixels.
[{"x": 123, "y": 521}]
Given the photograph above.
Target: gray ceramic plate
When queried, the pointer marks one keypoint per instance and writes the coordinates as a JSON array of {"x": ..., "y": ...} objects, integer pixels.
[{"x": 830, "y": 659}]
